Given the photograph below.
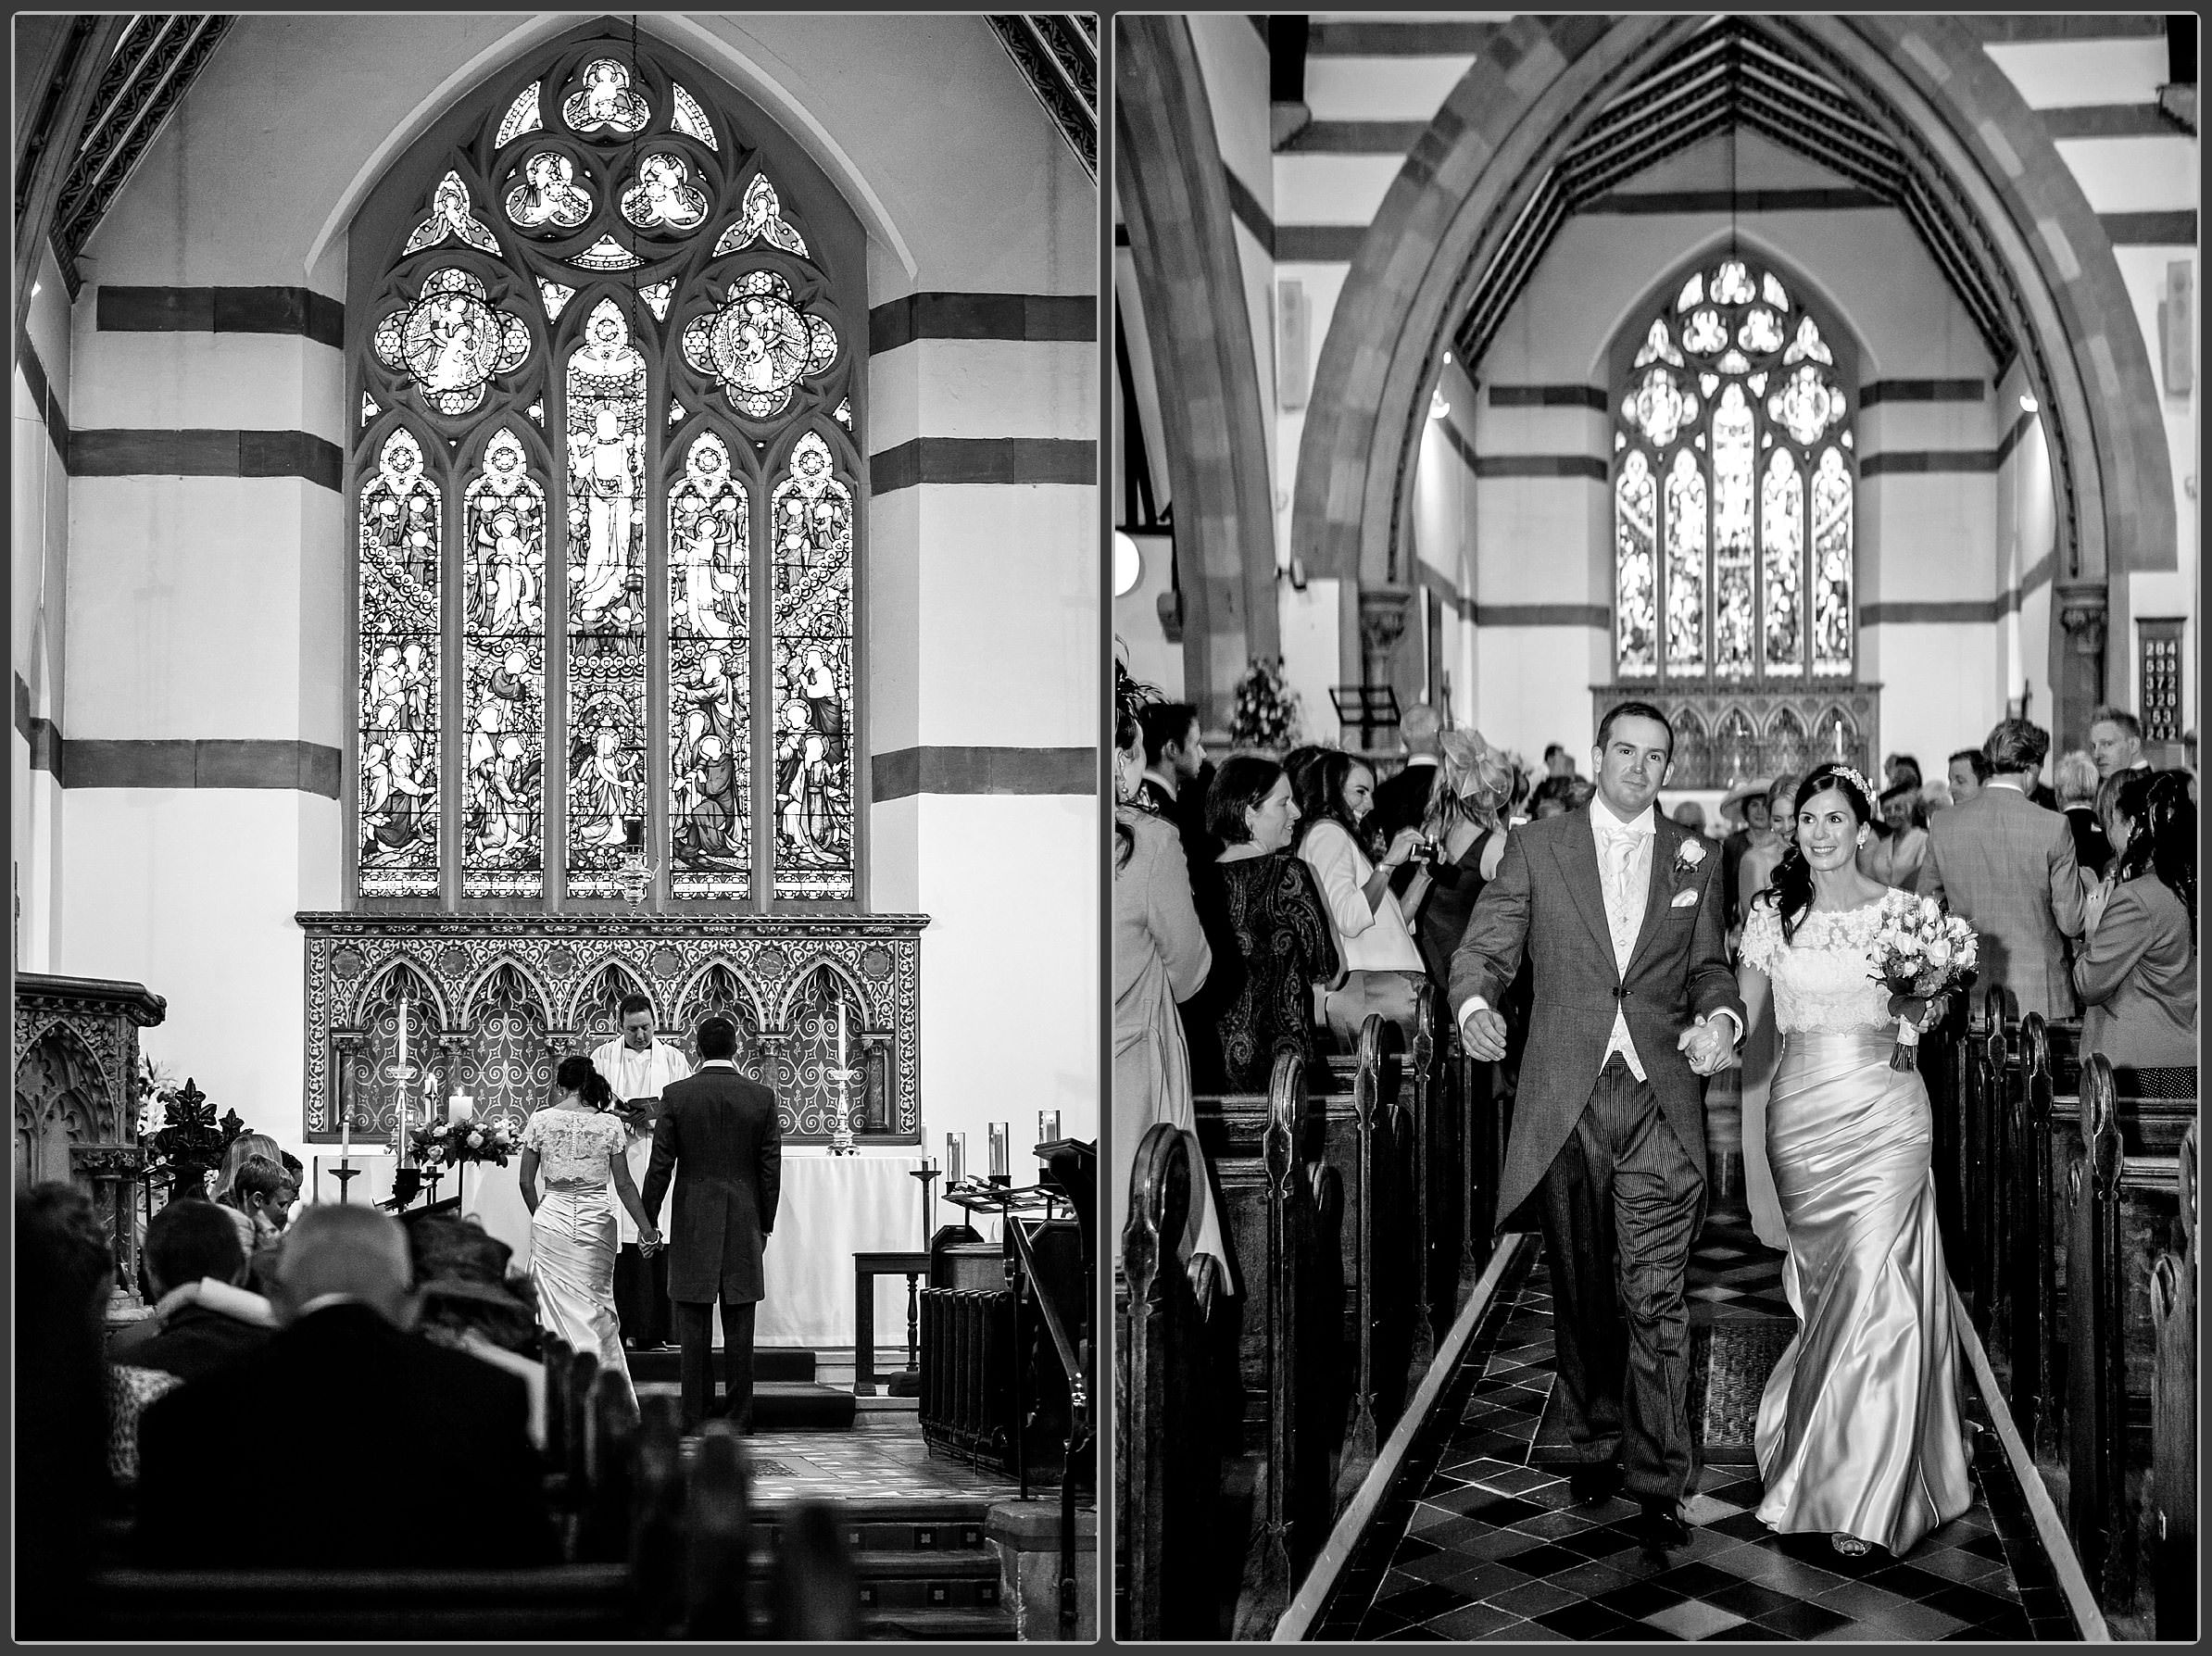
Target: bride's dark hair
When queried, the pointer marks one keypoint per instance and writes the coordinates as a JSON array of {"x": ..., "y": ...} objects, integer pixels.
[
  {"x": 578, "y": 1074},
  {"x": 1791, "y": 892}
]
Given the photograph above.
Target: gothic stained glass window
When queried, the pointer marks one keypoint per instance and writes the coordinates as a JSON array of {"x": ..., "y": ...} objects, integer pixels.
[
  {"x": 503, "y": 667},
  {"x": 813, "y": 676},
  {"x": 1733, "y": 405},
  {"x": 401, "y": 560},
  {"x": 606, "y": 398},
  {"x": 605, "y": 477},
  {"x": 709, "y": 591}
]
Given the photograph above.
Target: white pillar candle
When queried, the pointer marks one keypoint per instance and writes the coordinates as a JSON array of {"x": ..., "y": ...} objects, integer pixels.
[
  {"x": 1047, "y": 1126},
  {"x": 1001, "y": 1162},
  {"x": 463, "y": 1106},
  {"x": 841, "y": 1064},
  {"x": 956, "y": 1158},
  {"x": 345, "y": 1131}
]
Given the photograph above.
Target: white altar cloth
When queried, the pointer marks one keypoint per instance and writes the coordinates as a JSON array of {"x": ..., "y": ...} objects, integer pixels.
[{"x": 831, "y": 1208}]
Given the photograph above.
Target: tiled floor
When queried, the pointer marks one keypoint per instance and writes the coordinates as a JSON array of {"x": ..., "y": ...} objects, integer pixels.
[
  {"x": 1475, "y": 1542},
  {"x": 858, "y": 1467}
]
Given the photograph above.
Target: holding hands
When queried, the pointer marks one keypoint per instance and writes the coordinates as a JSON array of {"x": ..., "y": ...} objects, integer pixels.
[
  {"x": 1710, "y": 1044},
  {"x": 649, "y": 1240}
]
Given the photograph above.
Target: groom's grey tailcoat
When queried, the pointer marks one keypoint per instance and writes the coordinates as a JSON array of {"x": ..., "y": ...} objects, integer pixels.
[{"x": 1548, "y": 901}]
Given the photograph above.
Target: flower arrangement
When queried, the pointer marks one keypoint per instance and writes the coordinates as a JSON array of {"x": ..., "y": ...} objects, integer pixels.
[
  {"x": 1920, "y": 953},
  {"x": 1267, "y": 714},
  {"x": 448, "y": 1143}
]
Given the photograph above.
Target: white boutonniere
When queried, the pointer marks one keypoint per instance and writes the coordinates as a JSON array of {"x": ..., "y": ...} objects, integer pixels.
[{"x": 1690, "y": 854}]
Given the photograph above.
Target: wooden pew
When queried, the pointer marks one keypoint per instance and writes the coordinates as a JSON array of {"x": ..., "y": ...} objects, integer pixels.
[
  {"x": 2172, "y": 1491},
  {"x": 1163, "y": 1514}
]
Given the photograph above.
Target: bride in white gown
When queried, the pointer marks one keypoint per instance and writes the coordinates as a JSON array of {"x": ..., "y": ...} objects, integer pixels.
[{"x": 1859, "y": 1432}]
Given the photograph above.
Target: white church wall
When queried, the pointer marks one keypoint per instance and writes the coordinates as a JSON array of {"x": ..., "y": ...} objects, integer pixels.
[
  {"x": 2168, "y": 592},
  {"x": 213, "y": 607},
  {"x": 38, "y": 565}
]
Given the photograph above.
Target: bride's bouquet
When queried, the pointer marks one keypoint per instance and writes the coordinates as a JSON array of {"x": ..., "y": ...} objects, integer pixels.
[
  {"x": 1919, "y": 953},
  {"x": 448, "y": 1143}
]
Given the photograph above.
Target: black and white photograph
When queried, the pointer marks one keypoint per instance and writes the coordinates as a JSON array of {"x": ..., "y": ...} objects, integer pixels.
[
  {"x": 1655, "y": 905},
  {"x": 557, "y": 616}
]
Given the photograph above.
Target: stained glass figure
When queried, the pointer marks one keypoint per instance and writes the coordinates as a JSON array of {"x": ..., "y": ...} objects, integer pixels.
[
  {"x": 1759, "y": 332},
  {"x": 762, "y": 222},
  {"x": 1732, "y": 283},
  {"x": 1636, "y": 623},
  {"x": 548, "y": 194},
  {"x": 605, "y": 102},
  {"x": 606, "y": 600},
  {"x": 1658, "y": 347},
  {"x": 758, "y": 345},
  {"x": 710, "y": 696},
  {"x": 1807, "y": 405},
  {"x": 1807, "y": 346},
  {"x": 1693, "y": 291},
  {"x": 656, "y": 295},
  {"x": 1685, "y": 564},
  {"x": 1704, "y": 333},
  {"x": 503, "y": 661},
  {"x": 689, "y": 119},
  {"x": 607, "y": 254},
  {"x": 1831, "y": 565},
  {"x": 811, "y": 678},
  {"x": 522, "y": 116},
  {"x": 451, "y": 343},
  {"x": 508, "y": 1064},
  {"x": 1733, "y": 606},
  {"x": 400, "y": 550},
  {"x": 451, "y": 215},
  {"x": 663, "y": 197},
  {"x": 555, "y": 296},
  {"x": 1783, "y": 537}
]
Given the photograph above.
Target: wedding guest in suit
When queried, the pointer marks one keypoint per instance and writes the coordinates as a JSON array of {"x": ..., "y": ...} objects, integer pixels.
[
  {"x": 2116, "y": 741},
  {"x": 2007, "y": 866},
  {"x": 1176, "y": 775},
  {"x": 344, "y": 1357},
  {"x": 718, "y": 1138},
  {"x": 2078, "y": 781},
  {"x": 1401, "y": 802},
  {"x": 1969, "y": 773},
  {"x": 1161, "y": 957},
  {"x": 2137, "y": 974},
  {"x": 205, "y": 1316}
]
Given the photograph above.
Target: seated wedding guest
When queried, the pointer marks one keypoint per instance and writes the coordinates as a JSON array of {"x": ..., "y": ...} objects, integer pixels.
[
  {"x": 2007, "y": 867},
  {"x": 343, "y": 1354},
  {"x": 1466, "y": 825},
  {"x": 2137, "y": 972},
  {"x": 2077, "y": 778},
  {"x": 205, "y": 1316},
  {"x": 65, "y": 1273},
  {"x": 1269, "y": 932},
  {"x": 1383, "y": 968},
  {"x": 1969, "y": 773}
]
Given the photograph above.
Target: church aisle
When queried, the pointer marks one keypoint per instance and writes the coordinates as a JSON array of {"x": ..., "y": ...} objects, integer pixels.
[{"x": 1480, "y": 1539}]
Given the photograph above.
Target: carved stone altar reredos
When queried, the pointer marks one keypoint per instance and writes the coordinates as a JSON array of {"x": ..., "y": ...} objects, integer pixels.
[
  {"x": 498, "y": 999},
  {"x": 76, "y": 1079}
]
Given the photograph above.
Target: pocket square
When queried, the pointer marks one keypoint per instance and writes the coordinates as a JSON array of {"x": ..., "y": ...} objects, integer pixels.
[{"x": 1683, "y": 899}]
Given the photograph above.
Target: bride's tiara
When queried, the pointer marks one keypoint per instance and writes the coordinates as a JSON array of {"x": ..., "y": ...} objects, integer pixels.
[{"x": 1850, "y": 774}]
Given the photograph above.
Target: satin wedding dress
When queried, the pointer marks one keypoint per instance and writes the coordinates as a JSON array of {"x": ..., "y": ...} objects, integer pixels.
[
  {"x": 572, "y": 1233},
  {"x": 1858, "y": 1430}
]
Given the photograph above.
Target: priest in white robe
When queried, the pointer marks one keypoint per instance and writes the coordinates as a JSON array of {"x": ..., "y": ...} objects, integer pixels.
[{"x": 639, "y": 1068}]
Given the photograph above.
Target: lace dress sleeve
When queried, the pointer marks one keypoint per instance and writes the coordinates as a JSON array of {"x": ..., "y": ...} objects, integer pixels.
[
  {"x": 1762, "y": 937},
  {"x": 534, "y": 1133}
]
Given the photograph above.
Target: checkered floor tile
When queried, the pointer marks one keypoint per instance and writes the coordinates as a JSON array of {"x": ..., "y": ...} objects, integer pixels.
[{"x": 1475, "y": 1543}]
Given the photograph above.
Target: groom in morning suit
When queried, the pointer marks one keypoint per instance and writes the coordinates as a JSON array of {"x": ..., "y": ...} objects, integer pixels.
[
  {"x": 1620, "y": 913},
  {"x": 717, "y": 1137}
]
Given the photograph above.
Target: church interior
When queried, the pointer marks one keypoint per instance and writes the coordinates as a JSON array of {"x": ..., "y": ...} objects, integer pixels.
[
  {"x": 506, "y": 509},
  {"x": 1827, "y": 382}
]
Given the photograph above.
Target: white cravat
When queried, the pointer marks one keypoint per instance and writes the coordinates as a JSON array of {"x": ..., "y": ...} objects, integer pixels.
[{"x": 1624, "y": 854}]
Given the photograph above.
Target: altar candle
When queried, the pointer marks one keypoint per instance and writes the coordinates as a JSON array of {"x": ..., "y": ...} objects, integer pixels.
[
  {"x": 463, "y": 1106},
  {"x": 1001, "y": 1162},
  {"x": 1047, "y": 1126},
  {"x": 345, "y": 1132},
  {"x": 404, "y": 1003},
  {"x": 956, "y": 1158},
  {"x": 841, "y": 1064}
]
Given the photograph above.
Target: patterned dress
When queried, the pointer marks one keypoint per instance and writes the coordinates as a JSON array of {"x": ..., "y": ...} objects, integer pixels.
[{"x": 1272, "y": 915}]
